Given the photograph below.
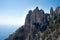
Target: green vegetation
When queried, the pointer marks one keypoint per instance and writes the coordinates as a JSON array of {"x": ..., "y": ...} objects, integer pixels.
[{"x": 53, "y": 25}]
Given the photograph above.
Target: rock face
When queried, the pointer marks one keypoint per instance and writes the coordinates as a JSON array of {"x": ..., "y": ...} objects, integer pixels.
[
  {"x": 52, "y": 13},
  {"x": 57, "y": 10},
  {"x": 39, "y": 26}
]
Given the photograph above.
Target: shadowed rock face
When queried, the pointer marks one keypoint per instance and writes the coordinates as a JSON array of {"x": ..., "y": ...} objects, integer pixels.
[
  {"x": 37, "y": 25},
  {"x": 36, "y": 18}
]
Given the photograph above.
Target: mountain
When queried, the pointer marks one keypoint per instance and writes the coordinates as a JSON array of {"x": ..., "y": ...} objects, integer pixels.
[{"x": 39, "y": 26}]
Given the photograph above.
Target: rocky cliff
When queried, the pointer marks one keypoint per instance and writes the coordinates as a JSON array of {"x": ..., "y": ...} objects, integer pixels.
[{"x": 39, "y": 26}]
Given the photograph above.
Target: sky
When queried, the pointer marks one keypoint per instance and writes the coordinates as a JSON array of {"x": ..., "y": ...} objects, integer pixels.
[{"x": 13, "y": 12}]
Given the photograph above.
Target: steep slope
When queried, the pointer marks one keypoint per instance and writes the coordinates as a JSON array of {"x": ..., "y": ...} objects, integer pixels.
[{"x": 39, "y": 26}]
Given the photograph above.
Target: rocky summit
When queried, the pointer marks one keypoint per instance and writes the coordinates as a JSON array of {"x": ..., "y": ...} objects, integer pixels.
[{"x": 39, "y": 26}]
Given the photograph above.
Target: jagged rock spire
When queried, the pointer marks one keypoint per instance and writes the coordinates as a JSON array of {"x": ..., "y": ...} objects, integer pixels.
[
  {"x": 28, "y": 18},
  {"x": 37, "y": 8},
  {"x": 36, "y": 17},
  {"x": 41, "y": 11},
  {"x": 57, "y": 10},
  {"x": 51, "y": 11},
  {"x": 30, "y": 11}
]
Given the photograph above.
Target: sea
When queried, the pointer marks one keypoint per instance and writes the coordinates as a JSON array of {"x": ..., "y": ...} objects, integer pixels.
[{"x": 6, "y": 30}]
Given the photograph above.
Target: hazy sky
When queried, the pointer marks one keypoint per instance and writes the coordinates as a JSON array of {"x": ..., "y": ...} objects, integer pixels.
[{"x": 13, "y": 12}]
